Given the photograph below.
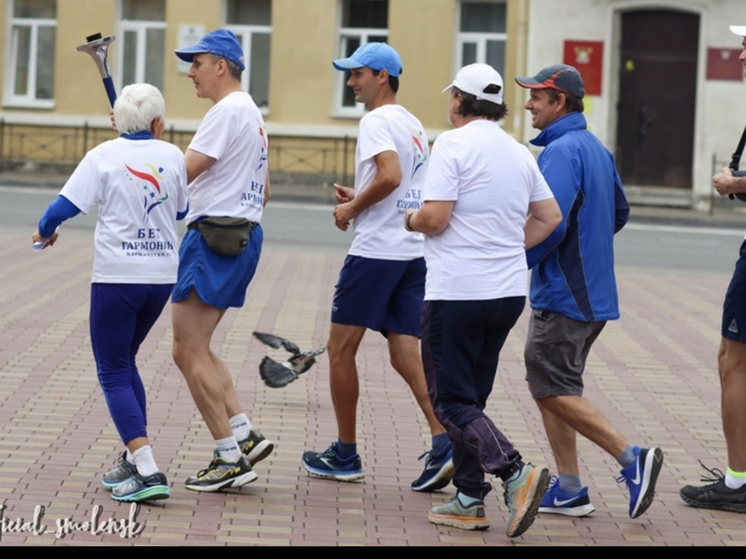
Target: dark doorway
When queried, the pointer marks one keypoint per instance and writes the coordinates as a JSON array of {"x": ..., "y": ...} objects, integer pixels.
[{"x": 655, "y": 127}]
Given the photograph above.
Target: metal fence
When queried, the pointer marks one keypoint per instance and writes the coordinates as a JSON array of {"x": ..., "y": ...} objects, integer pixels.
[{"x": 291, "y": 159}]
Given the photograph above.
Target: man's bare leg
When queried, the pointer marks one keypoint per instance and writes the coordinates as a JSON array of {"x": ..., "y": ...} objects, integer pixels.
[
  {"x": 582, "y": 416},
  {"x": 732, "y": 368},
  {"x": 344, "y": 341},
  {"x": 406, "y": 360},
  {"x": 193, "y": 324},
  {"x": 562, "y": 439}
]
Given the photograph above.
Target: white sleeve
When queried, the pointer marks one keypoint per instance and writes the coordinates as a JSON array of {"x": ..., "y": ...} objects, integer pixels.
[
  {"x": 213, "y": 133},
  {"x": 181, "y": 199},
  {"x": 442, "y": 177},
  {"x": 374, "y": 137},
  {"x": 84, "y": 187}
]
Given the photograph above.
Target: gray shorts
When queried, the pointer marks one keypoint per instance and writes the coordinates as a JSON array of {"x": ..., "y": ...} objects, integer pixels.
[{"x": 555, "y": 354}]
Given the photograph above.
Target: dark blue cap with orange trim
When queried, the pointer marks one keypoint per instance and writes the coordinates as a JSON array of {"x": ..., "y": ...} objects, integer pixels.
[{"x": 559, "y": 76}]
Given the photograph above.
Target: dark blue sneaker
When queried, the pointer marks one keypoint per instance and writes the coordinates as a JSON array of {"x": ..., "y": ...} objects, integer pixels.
[
  {"x": 558, "y": 501},
  {"x": 329, "y": 465},
  {"x": 438, "y": 471},
  {"x": 640, "y": 477}
]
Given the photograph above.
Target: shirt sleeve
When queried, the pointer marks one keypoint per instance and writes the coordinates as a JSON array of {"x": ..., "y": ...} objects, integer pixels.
[
  {"x": 57, "y": 212},
  {"x": 442, "y": 177},
  {"x": 561, "y": 171},
  {"x": 213, "y": 133},
  {"x": 374, "y": 137},
  {"x": 84, "y": 187}
]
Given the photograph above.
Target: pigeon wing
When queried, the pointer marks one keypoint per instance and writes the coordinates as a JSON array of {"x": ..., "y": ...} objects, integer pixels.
[
  {"x": 301, "y": 363},
  {"x": 277, "y": 342},
  {"x": 274, "y": 374}
]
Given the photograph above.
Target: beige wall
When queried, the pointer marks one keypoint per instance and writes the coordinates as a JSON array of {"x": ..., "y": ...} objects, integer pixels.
[{"x": 302, "y": 80}]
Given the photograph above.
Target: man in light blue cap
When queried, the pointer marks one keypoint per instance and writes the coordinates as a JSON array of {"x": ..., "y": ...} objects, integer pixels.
[
  {"x": 226, "y": 165},
  {"x": 382, "y": 284}
]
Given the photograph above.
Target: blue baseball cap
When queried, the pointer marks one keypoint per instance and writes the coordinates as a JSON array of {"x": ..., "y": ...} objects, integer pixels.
[
  {"x": 376, "y": 56},
  {"x": 221, "y": 42}
]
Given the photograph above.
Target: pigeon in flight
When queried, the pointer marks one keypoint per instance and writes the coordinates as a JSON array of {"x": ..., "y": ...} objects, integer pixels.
[{"x": 277, "y": 375}]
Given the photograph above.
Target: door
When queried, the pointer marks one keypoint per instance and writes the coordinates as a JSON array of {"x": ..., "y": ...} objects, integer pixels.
[{"x": 657, "y": 88}]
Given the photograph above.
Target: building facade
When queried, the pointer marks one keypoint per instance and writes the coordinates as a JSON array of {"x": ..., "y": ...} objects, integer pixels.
[{"x": 51, "y": 90}]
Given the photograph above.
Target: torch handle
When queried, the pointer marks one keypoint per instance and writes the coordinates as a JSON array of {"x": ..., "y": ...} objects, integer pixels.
[{"x": 110, "y": 91}]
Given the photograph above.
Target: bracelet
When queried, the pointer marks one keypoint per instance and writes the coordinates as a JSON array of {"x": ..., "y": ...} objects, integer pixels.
[{"x": 407, "y": 224}]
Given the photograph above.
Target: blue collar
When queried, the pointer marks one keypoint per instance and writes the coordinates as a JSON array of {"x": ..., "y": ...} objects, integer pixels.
[
  {"x": 141, "y": 135},
  {"x": 560, "y": 127}
]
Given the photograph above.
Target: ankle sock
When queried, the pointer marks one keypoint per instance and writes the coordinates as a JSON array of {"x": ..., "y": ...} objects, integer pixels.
[
  {"x": 346, "y": 450},
  {"x": 627, "y": 457},
  {"x": 735, "y": 480},
  {"x": 440, "y": 444}
]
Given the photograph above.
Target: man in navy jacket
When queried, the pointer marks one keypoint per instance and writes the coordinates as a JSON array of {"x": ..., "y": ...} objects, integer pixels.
[{"x": 573, "y": 293}]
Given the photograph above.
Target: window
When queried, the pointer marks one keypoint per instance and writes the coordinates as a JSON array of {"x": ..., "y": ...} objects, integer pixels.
[
  {"x": 251, "y": 21},
  {"x": 32, "y": 31},
  {"x": 142, "y": 48},
  {"x": 363, "y": 21},
  {"x": 481, "y": 34}
]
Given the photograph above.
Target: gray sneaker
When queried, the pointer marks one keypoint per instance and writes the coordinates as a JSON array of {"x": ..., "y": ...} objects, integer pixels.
[
  {"x": 456, "y": 515},
  {"x": 255, "y": 447},
  {"x": 123, "y": 471},
  {"x": 221, "y": 474},
  {"x": 523, "y": 494}
]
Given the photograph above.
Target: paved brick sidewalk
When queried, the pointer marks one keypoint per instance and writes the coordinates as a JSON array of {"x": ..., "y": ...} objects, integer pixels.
[{"x": 653, "y": 373}]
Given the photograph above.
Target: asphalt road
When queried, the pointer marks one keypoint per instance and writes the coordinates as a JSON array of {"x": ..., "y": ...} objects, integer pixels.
[{"x": 311, "y": 227}]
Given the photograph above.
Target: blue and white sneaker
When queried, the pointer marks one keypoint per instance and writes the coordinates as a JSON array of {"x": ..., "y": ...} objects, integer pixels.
[
  {"x": 438, "y": 471},
  {"x": 329, "y": 465},
  {"x": 640, "y": 477},
  {"x": 558, "y": 501}
]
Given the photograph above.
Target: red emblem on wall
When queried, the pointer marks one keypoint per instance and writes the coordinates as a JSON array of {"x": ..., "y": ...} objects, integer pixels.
[{"x": 587, "y": 57}]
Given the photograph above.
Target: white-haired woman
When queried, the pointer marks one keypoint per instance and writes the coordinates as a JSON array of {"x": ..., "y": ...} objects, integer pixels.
[
  {"x": 479, "y": 186},
  {"x": 139, "y": 185}
]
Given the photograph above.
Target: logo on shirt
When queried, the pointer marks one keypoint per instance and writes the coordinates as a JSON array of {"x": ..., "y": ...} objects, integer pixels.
[
  {"x": 420, "y": 153},
  {"x": 263, "y": 147},
  {"x": 148, "y": 182}
]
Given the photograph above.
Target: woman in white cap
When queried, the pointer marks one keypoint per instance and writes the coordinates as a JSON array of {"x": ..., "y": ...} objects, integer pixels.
[{"x": 479, "y": 187}]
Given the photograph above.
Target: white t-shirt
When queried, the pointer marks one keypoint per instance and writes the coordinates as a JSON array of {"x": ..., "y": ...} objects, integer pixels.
[
  {"x": 378, "y": 230},
  {"x": 139, "y": 186},
  {"x": 491, "y": 179},
  {"x": 233, "y": 133}
]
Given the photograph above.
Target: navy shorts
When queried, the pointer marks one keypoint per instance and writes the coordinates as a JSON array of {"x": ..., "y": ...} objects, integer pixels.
[
  {"x": 383, "y": 295},
  {"x": 219, "y": 281},
  {"x": 734, "y": 308}
]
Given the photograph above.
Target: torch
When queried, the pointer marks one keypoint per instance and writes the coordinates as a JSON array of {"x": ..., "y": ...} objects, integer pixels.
[{"x": 97, "y": 46}]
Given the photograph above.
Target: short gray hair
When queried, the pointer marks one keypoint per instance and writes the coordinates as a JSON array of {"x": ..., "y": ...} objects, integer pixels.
[
  {"x": 137, "y": 106},
  {"x": 234, "y": 69}
]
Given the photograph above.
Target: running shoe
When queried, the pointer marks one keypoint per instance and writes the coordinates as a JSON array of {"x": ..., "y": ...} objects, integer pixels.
[
  {"x": 558, "y": 501},
  {"x": 329, "y": 465},
  {"x": 640, "y": 477},
  {"x": 523, "y": 494},
  {"x": 138, "y": 488},
  {"x": 222, "y": 474}
]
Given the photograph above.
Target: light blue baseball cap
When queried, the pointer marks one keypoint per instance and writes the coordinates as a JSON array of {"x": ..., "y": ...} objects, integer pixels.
[
  {"x": 376, "y": 56},
  {"x": 221, "y": 42}
]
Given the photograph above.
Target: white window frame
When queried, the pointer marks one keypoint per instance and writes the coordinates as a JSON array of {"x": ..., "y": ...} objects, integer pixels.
[
  {"x": 140, "y": 27},
  {"x": 480, "y": 38},
  {"x": 344, "y": 34},
  {"x": 245, "y": 33},
  {"x": 28, "y": 100}
]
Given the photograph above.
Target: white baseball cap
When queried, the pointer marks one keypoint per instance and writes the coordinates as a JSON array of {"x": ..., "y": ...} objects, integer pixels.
[
  {"x": 739, "y": 30},
  {"x": 475, "y": 78}
]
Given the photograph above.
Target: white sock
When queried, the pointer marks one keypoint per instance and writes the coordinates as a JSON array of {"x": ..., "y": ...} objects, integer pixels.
[
  {"x": 241, "y": 426},
  {"x": 228, "y": 449},
  {"x": 143, "y": 460},
  {"x": 735, "y": 480},
  {"x": 129, "y": 457}
]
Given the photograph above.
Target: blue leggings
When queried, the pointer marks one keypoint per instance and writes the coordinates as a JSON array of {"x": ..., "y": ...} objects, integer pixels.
[{"x": 121, "y": 317}]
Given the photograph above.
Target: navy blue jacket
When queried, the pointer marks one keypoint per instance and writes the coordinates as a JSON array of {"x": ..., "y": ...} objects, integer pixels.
[{"x": 574, "y": 267}]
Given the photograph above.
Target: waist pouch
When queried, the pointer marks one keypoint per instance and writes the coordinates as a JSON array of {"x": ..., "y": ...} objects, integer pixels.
[{"x": 227, "y": 236}]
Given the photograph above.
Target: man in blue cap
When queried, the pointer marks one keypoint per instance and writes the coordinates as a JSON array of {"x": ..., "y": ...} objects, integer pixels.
[
  {"x": 573, "y": 293},
  {"x": 226, "y": 165},
  {"x": 382, "y": 284}
]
